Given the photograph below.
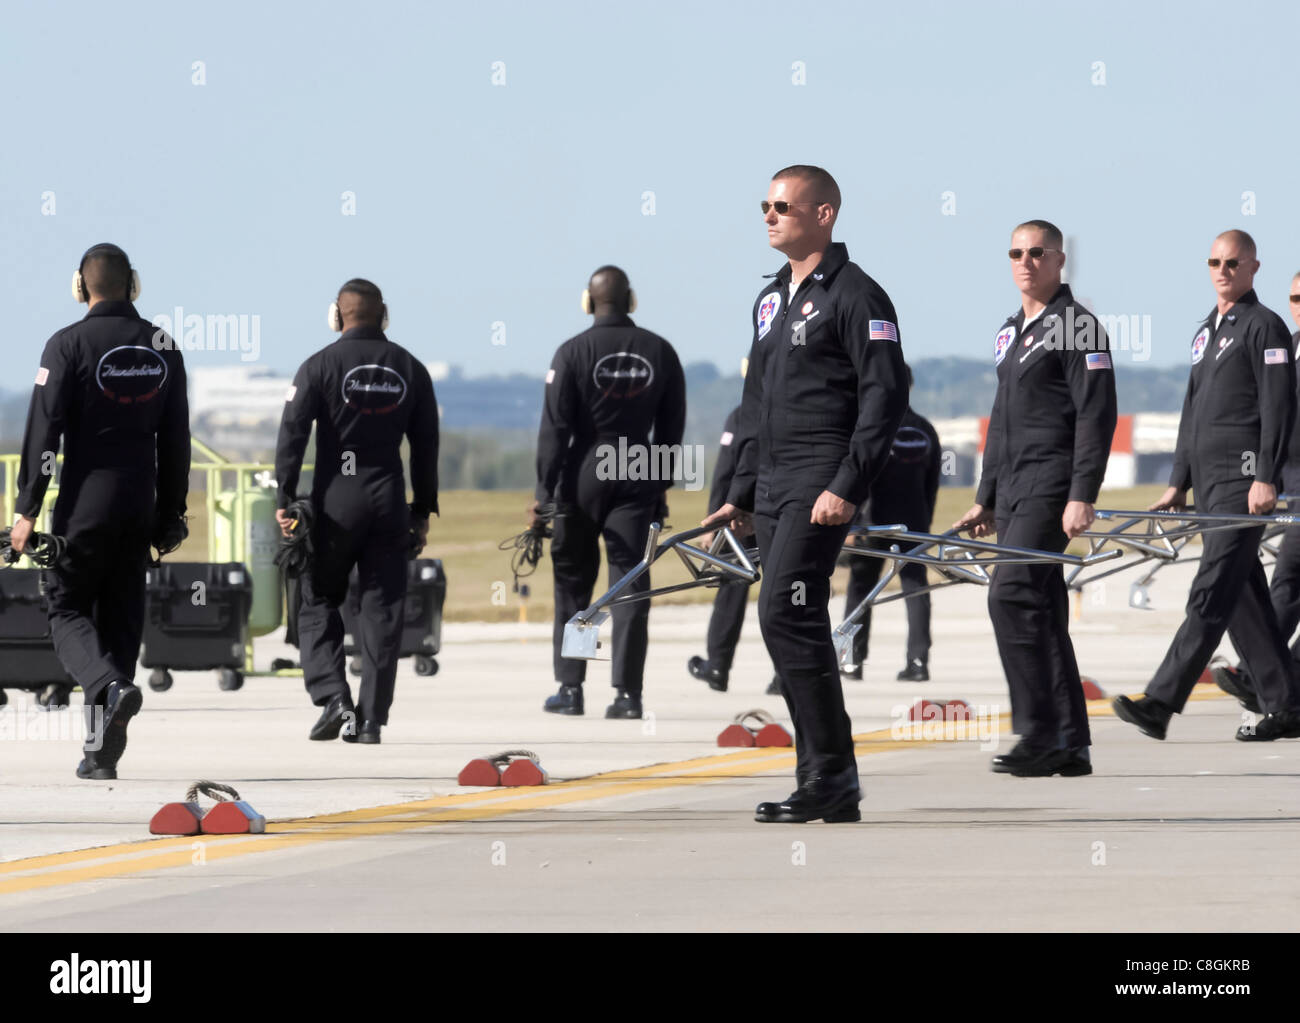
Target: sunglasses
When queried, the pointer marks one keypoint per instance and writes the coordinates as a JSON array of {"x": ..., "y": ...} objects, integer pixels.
[
  {"x": 1036, "y": 252},
  {"x": 1228, "y": 264},
  {"x": 782, "y": 207},
  {"x": 1295, "y": 298}
]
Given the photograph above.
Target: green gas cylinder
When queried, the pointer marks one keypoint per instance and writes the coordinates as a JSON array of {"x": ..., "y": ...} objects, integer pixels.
[{"x": 245, "y": 530}]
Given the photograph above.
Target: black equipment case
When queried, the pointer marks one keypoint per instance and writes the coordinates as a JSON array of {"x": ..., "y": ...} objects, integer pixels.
[
  {"x": 196, "y": 618},
  {"x": 426, "y": 590},
  {"x": 27, "y": 658}
]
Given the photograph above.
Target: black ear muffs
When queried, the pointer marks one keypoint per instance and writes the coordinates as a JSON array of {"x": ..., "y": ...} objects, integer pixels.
[{"x": 79, "y": 291}]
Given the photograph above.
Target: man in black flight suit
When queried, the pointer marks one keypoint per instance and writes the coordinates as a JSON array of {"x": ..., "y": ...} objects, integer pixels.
[
  {"x": 904, "y": 493},
  {"x": 1232, "y": 442},
  {"x": 113, "y": 386},
  {"x": 607, "y": 391},
  {"x": 1284, "y": 587},
  {"x": 364, "y": 393},
  {"x": 825, "y": 392},
  {"x": 1045, "y": 456}
]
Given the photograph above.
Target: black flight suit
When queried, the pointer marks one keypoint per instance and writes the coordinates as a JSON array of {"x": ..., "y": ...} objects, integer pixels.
[
  {"x": 608, "y": 389},
  {"x": 364, "y": 393},
  {"x": 1048, "y": 443},
  {"x": 904, "y": 492},
  {"x": 113, "y": 386},
  {"x": 1235, "y": 426},
  {"x": 824, "y": 395},
  {"x": 729, "y": 603}
]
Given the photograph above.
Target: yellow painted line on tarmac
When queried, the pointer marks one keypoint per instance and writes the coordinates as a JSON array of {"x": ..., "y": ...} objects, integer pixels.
[{"x": 145, "y": 855}]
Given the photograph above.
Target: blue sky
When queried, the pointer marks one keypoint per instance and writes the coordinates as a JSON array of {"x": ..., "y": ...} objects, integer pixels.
[{"x": 479, "y": 203}]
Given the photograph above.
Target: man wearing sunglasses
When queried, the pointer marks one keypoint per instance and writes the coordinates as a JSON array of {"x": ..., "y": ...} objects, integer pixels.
[
  {"x": 1284, "y": 587},
  {"x": 1232, "y": 444},
  {"x": 1045, "y": 456},
  {"x": 823, "y": 398}
]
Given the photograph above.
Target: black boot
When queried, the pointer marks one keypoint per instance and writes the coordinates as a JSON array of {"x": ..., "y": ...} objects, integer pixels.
[
  {"x": 365, "y": 732},
  {"x": 1149, "y": 714},
  {"x": 1069, "y": 763},
  {"x": 833, "y": 798},
  {"x": 1236, "y": 683},
  {"x": 567, "y": 701},
  {"x": 706, "y": 672},
  {"x": 1020, "y": 754},
  {"x": 1284, "y": 724},
  {"x": 337, "y": 713},
  {"x": 625, "y": 705},
  {"x": 916, "y": 671}
]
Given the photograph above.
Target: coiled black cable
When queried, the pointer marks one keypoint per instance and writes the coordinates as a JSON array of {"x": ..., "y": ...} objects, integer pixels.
[
  {"x": 527, "y": 546},
  {"x": 44, "y": 550},
  {"x": 296, "y": 550}
]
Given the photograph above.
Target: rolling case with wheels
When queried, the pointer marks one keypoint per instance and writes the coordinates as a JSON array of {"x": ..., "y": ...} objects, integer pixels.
[
  {"x": 426, "y": 589},
  {"x": 27, "y": 658},
  {"x": 196, "y": 618}
]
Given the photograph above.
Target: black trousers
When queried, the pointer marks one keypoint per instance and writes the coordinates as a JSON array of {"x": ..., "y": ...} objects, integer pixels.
[
  {"x": 794, "y": 614},
  {"x": 1030, "y": 609},
  {"x": 1229, "y": 593},
  {"x": 361, "y": 523},
  {"x": 575, "y": 563},
  {"x": 864, "y": 573},
  {"x": 96, "y": 594},
  {"x": 1284, "y": 591},
  {"x": 725, "y": 623}
]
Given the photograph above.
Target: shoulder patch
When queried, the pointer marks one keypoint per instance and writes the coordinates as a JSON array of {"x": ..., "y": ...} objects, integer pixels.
[
  {"x": 289, "y": 394},
  {"x": 881, "y": 330},
  {"x": 1098, "y": 360},
  {"x": 1272, "y": 357},
  {"x": 550, "y": 376},
  {"x": 727, "y": 438},
  {"x": 42, "y": 375}
]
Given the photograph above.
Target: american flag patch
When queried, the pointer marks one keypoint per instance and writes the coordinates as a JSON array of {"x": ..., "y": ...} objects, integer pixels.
[
  {"x": 881, "y": 330},
  {"x": 1272, "y": 357},
  {"x": 726, "y": 438},
  {"x": 550, "y": 376},
  {"x": 289, "y": 394},
  {"x": 42, "y": 375},
  {"x": 1098, "y": 360}
]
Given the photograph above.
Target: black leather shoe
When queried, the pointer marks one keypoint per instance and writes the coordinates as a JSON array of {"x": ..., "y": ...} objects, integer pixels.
[
  {"x": 366, "y": 733},
  {"x": 625, "y": 705},
  {"x": 1236, "y": 683},
  {"x": 855, "y": 674},
  {"x": 1150, "y": 715},
  {"x": 1019, "y": 754},
  {"x": 774, "y": 687},
  {"x": 831, "y": 798},
  {"x": 1283, "y": 724},
  {"x": 567, "y": 701},
  {"x": 337, "y": 713},
  {"x": 916, "y": 671},
  {"x": 1069, "y": 763},
  {"x": 121, "y": 703},
  {"x": 706, "y": 672},
  {"x": 91, "y": 770}
]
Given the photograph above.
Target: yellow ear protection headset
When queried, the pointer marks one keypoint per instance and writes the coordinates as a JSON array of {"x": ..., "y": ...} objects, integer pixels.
[
  {"x": 336, "y": 320},
  {"x": 79, "y": 291},
  {"x": 589, "y": 309}
]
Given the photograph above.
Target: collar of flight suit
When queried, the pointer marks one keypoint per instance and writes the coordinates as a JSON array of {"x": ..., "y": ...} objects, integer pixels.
[
  {"x": 613, "y": 320},
  {"x": 1061, "y": 296},
  {"x": 365, "y": 330},
  {"x": 107, "y": 307},
  {"x": 835, "y": 256},
  {"x": 1250, "y": 298}
]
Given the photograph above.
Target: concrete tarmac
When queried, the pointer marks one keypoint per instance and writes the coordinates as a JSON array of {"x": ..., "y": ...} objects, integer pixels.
[{"x": 648, "y": 825}]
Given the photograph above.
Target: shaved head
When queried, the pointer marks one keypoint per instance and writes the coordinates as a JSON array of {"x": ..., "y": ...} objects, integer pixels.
[
  {"x": 823, "y": 186},
  {"x": 1241, "y": 241},
  {"x": 106, "y": 273},
  {"x": 1051, "y": 233},
  {"x": 360, "y": 304},
  {"x": 610, "y": 288}
]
